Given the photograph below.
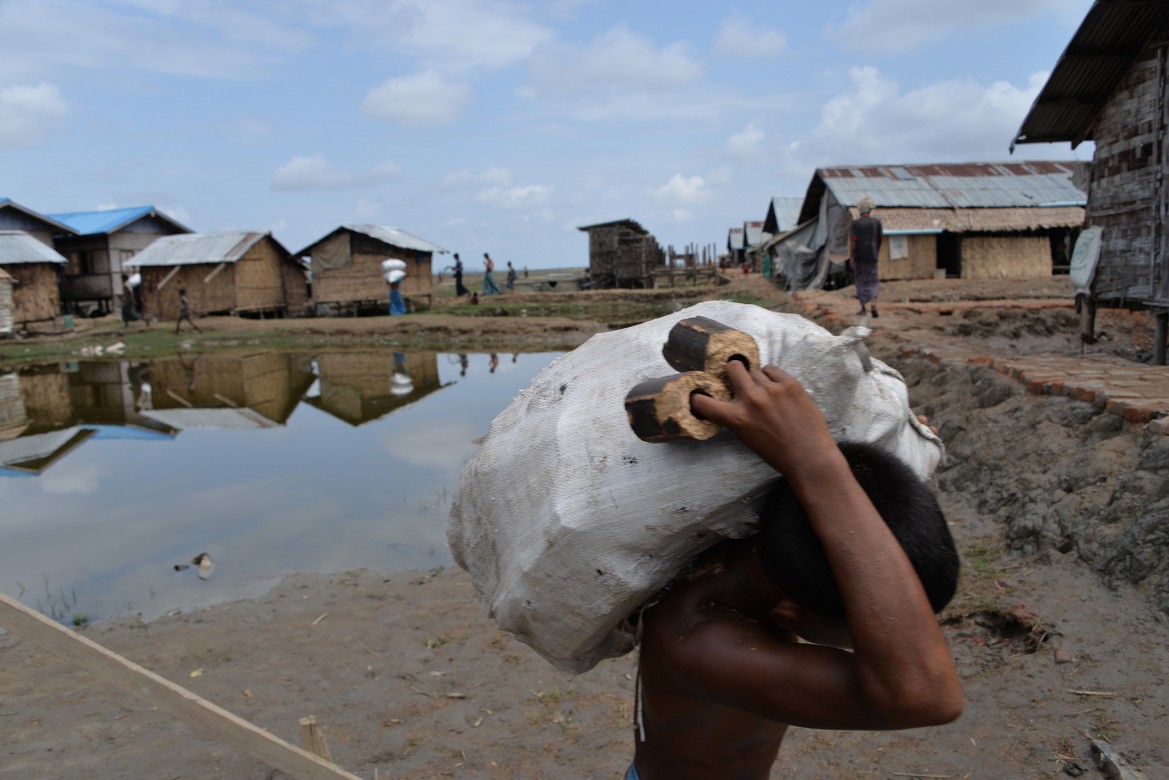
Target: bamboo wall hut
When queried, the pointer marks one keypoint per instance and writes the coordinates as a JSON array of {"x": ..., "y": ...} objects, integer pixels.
[
  {"x": 14, "y": 216},
  {"x": 230, "y": 272},
  {"x": 98, "y": 248},
  {"x": 35, "y": 271},
  {"x": 968, "y": 221},
  {"x": 347, "y": 273},
  {"x": 6, "y": 305},
  {"x": 359, "y": 387},
  {"x": 1111, "y": 86},
  {"x": 623, "y": 254}
]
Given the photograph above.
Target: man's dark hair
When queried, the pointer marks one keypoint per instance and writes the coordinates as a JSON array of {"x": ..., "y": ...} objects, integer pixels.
[{"x": 793, "y": 557}]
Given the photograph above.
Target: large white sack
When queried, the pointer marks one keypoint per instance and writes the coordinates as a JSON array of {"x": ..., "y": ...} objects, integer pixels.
[{"x": 567, "y": 522}]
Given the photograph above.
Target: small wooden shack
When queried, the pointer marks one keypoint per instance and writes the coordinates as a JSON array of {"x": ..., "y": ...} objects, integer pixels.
[
  {"x": 230, "y": 272},
  {"x": 969, "y": 220},
  {"x": 99, "y": 247},
  {"x": 35, "y": 270},
  {"x": 359, "y": 387},
  {"x": 623, "y": 254},
  {"x": 1111, "y": 86},
  {"x": 346, "y": 268}
]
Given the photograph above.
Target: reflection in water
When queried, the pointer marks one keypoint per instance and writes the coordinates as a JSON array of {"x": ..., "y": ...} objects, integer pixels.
[{"x": 267, "y": 463}]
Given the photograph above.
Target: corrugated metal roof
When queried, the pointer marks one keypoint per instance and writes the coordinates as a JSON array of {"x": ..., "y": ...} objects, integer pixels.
[
  {"x": 976, "y": 220},
  {"x": 735, "y": 238},
  {"x": 1104, "y": 48},
  {"x": 16, "y": 246},
  {"x": 783, "y": 214},
  {"x": 753, "y": 233},
  {"x": 396, "y": 237},
  {"x": 90, "y": 223},
  {"x": 8, "y": 203},
  {"x": 960, "y": 185},
  {"x": 242, "y": 418},
  {"x": 227, "y": 246}
]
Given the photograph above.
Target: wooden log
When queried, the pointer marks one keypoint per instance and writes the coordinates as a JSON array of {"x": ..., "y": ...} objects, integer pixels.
[
  {"x": 313, "y": 738},
  {"x": 659, "y": 409},
  {"x": 701, "y": 344},
  {"x": 164, "y": 694}
]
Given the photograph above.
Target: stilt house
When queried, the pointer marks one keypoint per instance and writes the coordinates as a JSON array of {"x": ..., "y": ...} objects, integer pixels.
[
  {"x": 230, "y": 272},
  {"x": 1111, "y": 86},
  {"x": 623, "y": 254},
  {"x": 35, "y": 270},
  {"x": 347, "y": 273},
  {"x": 14, "y": 216},
  {"x": 358, "y": 387},
  {"x": 98, "y": 247}
]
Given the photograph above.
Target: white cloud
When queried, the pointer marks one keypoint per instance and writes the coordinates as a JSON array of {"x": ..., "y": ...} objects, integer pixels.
[
  {"x": 521, "y": 197},
  {"x": 743, "y": 39},
  {"x": 747, "y": 143},
  {"x": 316, "y": 172},
  {"x": 900, "y": 25},
  {"x": 75, "y": 478},
  {"x": 499, "y": 177},
  {"x": 948, "y": 121},
  {"x": 28, "y": 112},
  {"x": 682, "y": 215},
  {"x": 683, "y": 190},
  {"x": 421, "y": 99},
  {"x": 452, "y": 35},
  {"x": 619, "y": 60}
]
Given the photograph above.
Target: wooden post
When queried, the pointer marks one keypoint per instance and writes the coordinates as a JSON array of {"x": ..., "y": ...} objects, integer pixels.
[
  {"x": 1087, "y": 320},
  {"x": 165, "y": 695},
  {"x": 313, "y": 738},
  {"x": 168, "y": 277},
  {"x": 1160, "y": 337}
]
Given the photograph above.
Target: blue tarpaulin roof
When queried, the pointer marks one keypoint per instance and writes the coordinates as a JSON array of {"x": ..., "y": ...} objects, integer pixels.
[{"x": 91, "y": 223}]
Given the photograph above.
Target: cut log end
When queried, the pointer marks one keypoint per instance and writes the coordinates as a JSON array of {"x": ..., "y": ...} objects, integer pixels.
[
  {"x": 702, "y": 344},
  {"x": 659, "y": 409}
]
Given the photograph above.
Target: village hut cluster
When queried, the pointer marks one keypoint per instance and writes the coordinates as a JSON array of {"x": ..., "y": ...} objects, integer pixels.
[{"x": 61, "y": 265}]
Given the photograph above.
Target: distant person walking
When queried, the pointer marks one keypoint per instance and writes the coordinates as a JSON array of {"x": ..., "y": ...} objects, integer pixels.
[
  {"x": 864, "y": 245},
  {"x": 460, "y": 290},
  {"x": 511, "y": 277},
  {"x": 489, "y": 285},
  {"x": 130, "y": 312},
  {"x": 185, "y": 312}
]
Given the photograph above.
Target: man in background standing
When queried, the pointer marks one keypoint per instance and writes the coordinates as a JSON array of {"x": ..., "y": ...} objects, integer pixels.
[
  {"x": 489, "y": 285},
  {"x": 864, "y": 245}
]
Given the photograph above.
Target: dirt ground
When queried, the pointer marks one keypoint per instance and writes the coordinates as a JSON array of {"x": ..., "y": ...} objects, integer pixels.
[{"x": 408, "y": 680}]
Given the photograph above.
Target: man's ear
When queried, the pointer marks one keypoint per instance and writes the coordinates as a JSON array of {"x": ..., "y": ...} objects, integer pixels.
[{"x": 787, "y": 613}]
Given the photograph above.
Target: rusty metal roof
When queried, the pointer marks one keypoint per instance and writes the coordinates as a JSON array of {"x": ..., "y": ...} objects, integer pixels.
[
  {"x": 16, "y": 246},
  {"x": 227, "y": 246},
  {"x": 947, "y": 186},
  {"x": 1104, "y": 48},
  {"x": 630, "y": 224}
]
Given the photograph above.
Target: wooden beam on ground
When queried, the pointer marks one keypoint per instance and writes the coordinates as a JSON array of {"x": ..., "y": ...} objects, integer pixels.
[
  {"x": 165, "y": 695},
  {"x": 168, "y": 277}
]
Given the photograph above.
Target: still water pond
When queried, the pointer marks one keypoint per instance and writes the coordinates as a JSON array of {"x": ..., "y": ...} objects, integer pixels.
[{"x": 113, "y": 473}]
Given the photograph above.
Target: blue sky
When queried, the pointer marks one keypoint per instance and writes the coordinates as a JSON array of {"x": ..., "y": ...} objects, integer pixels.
[{"x": 489, "y": 125}]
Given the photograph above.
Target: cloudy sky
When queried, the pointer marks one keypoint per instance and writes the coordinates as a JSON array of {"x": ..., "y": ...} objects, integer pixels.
[{"x": 501, "y": 125}]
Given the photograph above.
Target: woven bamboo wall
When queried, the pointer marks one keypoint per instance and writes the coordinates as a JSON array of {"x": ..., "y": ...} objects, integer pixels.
[
  {"x": 1123, "y": 192},
  {"x": 216, "y": 296},
  {"x": 296, "y": 289},
  {"x": 35, "y": 294},
  {"x": 362, "y": 279},
  {"x": 7, "y": 307},
  {"x": 1006, "y": 257},
  {"x": 920, "y": 262},
  {"x": 46, "y": 398},
  {"x": 13, "y": 415},
  {"x": 258, "y": 283}
]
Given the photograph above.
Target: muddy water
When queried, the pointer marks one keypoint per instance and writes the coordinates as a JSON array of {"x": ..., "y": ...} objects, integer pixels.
[{"x": 116, "y": 476}]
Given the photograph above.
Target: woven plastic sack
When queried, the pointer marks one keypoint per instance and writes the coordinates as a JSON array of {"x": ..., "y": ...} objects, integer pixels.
[{"x": 568, "y": 523}]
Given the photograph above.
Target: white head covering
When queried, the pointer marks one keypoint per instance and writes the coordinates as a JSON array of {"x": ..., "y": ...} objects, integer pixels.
[{"x": 865, "y": 205}]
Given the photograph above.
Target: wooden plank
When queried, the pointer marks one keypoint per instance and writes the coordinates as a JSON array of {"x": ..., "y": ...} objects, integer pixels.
[
  {"x": 165, "y": 695},
  {"x": 168, "y": 277},
  {"x": 214, "y": 273}
]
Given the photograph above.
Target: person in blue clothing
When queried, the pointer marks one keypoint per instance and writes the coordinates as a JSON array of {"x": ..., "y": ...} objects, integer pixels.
[{"x": 489, "y": 285}]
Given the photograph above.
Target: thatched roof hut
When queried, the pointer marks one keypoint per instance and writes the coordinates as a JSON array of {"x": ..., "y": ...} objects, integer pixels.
[
  {"x": 347, "y": 271},
  {"x": 230, "y": 272},
  {"x": 35, "y": 271}
]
